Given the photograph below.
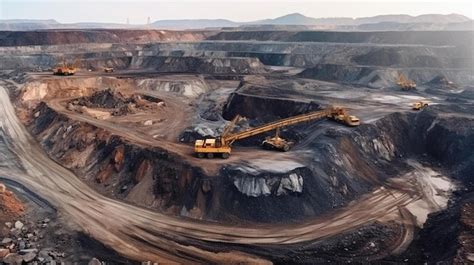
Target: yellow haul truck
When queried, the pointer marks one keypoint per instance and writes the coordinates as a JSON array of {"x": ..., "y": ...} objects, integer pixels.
[
  {"x": 419, "y": 105},
  {"x": 66, "y": 69}
]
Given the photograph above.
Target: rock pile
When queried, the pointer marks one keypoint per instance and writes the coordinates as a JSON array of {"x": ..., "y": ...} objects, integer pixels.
[
  {"x": 121, "y": 104},
  {"x": 22, "y": 245}
]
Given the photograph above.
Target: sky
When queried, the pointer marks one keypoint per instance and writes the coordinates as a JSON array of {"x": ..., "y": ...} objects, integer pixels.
[{"x": 137, "y": 12}]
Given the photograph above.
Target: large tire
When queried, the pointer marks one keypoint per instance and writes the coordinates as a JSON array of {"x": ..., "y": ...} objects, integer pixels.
[
  {"x": 210, "y": 155},
  {"x": 225, "y": 155},
  {"x": 200, "y": 155}
]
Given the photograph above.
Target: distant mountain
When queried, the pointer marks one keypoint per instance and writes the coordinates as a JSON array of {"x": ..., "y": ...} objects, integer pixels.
[
  {"x": 290, "y": 19},
  {"x": 34, "y": 24},
  {"x": 27, "y": 24},
  {"x": 394, "y": 26},
  {"x": 299, "y": 19},
  {"x": 429, "y": 18},
  {"x": 194, "y": 23},
  {"x": 39, "y": 21},
  {"x": 288, "y": 22}
]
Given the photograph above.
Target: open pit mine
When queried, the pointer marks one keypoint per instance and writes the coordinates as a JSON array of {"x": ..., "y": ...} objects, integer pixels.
[{"x": 236, "y": 147}]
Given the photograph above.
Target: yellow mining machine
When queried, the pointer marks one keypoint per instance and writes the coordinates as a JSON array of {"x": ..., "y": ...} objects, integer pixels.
[
  {"x": 405, "y": 83},
  {"x": 419, "y": 105},
  {"x": 221, "y": 146},
  {"x": 65, "y": 69}
]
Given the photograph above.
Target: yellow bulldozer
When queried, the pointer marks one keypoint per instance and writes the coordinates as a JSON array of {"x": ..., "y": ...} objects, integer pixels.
[
  {"x": 65, "y": 69},
  {"x": 221, "y": 146},
  {"x": 405, "y": 83}
]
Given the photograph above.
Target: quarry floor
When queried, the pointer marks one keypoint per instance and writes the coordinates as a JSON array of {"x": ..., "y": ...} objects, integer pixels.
[{"x": 141, "y": 234}]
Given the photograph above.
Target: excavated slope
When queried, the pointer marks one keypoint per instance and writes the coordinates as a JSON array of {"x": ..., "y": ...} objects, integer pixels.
[
  {"x": 457, "y": 38},
  {"x": 54, "y": 37},
  {"x": 343, "y": 165}
]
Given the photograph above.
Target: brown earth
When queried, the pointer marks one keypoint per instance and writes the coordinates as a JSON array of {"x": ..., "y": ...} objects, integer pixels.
[{"x": 10, "y": 207}]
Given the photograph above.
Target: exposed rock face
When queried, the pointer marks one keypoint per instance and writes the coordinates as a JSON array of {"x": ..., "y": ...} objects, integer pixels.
[
  {"x": 402, "y": 37},
  {"x": 205, "y": 65},
  {"x": 191, "y": 88},
  {"x": 377, "y": 77},
  {"x": 265, "y": 108},
  {"x": 142, "y": 170},
  {"x": 55, "y": 37},
  {"x": 10, "y": 208},
  {"x": 255, "y": 187},
  {"x": 344, "y": 166}
]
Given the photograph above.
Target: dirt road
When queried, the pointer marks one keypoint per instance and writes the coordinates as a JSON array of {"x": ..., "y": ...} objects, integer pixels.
[{"x": 141, "y": 234}]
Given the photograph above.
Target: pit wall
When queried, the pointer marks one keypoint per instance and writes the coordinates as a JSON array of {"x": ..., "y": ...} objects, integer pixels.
[
  {"x": 264, "y": 108},
  {"x": 341, "y": 166},
  {"x": 343, "y": 62},
  {"x": 154, "y": 178},
  {"x": 35, "y": 91},
  {"x": 378, "y": 77}
]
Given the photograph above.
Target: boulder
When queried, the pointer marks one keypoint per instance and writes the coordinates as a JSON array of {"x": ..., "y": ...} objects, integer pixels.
[
  {"x": 94, "y": 261},
  {"x": 21, "y": 245},
  {"x": 148, "y": 123},
  {"x": 29, "y": 257},
  {"x": 19, "y": 225},
  {"x": 6, "y": 241},
  {"x": 4, "y": 252},
  {"x": 13, "y": 259}
]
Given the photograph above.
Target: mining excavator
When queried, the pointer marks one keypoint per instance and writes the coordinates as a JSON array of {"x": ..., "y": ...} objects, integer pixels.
[
  {"x": 222, "y": 145},
  {"x": 65, "y": 69},
  {"x": 405, "y": 83}
]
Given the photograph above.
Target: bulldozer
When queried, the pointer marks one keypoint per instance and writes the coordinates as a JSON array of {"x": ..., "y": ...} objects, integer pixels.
[
  {"x": 65, "y": 69},
  {"x": 405, "y": 83},
  {"x": 276, "y": 142},
  {"x": 221, "y": 145}
]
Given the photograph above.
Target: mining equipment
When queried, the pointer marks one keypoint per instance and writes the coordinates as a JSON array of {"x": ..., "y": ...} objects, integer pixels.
[
  {"x": 221, "y": 145},
  {"x": 65, "y": 69},
  {"x": 340, "y": 115},
  {"x": 108, "y": 69},
  {"x": 405, "y": 83},
  {"x": 419, "y": 105}
]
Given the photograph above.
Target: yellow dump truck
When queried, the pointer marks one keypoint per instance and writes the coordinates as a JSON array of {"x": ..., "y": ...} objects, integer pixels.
[
  {"x": 419, "y": 105},
  {"x": 65, "y": 69}
]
